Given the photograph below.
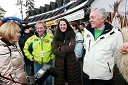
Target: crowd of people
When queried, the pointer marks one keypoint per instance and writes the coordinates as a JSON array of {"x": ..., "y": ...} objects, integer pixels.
[{"x": 82, "y": 54}]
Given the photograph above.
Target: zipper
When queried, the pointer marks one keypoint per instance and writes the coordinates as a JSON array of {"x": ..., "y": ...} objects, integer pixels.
[
  {"x": 89, "y": 45},
  {"x": 109, "y": 67}
]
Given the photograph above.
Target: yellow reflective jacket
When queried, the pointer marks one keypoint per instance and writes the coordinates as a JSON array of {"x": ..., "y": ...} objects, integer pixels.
[{"x": 34, "y": 46}]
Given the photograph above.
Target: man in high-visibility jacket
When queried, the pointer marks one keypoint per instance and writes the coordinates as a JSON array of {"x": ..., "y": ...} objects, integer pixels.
[{"x": 38, "y": 48}]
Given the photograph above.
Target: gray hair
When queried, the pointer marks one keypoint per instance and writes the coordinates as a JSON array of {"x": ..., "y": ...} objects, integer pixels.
[{"x": 101, "y": 12}]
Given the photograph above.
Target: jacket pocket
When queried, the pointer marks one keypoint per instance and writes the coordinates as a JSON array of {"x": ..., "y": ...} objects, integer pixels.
[
  {"x": 89, "y": 45},
  {"x": 109, "y": 67}
]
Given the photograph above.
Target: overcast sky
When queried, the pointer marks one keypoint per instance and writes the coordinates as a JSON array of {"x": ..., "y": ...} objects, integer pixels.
[{"x": 12, "y": 10}]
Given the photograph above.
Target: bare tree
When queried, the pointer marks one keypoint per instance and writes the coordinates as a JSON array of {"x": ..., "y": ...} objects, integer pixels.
[
  {"x": 2, "y": 12},
  {"x": 28, "y": 4}
]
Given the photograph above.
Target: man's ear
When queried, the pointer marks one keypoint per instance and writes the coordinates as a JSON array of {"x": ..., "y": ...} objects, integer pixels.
[{"x": 103, "y": 20}]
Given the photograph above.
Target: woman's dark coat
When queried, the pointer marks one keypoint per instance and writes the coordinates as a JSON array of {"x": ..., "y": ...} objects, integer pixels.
[{"x": 65, "y": 61}]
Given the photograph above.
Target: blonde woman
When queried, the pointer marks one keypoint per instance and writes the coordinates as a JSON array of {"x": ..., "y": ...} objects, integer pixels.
[{"x": 11, "y": 59}]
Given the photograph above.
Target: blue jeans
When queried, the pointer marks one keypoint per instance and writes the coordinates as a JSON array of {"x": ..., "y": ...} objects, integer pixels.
[{"x": 38, "y": 66}]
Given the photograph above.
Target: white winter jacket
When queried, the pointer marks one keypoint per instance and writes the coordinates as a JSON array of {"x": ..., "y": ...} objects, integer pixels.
[{"x": 100, "y": 53}]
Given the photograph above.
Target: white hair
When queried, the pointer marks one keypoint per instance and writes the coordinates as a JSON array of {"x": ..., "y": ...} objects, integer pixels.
[{"x": 101, "y": 12}]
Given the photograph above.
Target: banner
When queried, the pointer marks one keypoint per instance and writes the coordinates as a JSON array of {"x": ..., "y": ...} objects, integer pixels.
[{"x": 75, "y": 16}]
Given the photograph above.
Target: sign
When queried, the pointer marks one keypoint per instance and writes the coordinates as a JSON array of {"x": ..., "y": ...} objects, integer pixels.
[
  {"x": 50, "y": 23},
  {"x": 75, "y": 16}
]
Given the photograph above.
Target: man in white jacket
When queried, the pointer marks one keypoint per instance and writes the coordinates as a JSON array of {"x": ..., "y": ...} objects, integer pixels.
[{"x": 101, "y": 42}]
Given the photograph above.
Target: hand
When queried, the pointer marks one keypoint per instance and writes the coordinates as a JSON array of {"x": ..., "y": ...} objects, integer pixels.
[
  {"x": 77, "y": 58},
  {"x": 34, "y": 60},
  {"x": 26, "y": 30},
  {"x": 59, "y": 48},
  {"x": 69, "y": 43},
  {"x": 124, "y": 49}
]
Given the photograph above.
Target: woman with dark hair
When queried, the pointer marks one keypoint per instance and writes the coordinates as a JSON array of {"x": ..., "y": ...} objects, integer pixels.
[{"x": 65, "y": 61}]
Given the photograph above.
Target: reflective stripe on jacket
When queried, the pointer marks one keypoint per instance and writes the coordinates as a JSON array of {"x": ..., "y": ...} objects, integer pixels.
[{"x": 39, "y": 45}]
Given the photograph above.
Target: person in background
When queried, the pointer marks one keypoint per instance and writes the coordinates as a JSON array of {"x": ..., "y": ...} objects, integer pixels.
[
  {"x": 78, "y": 44},
  {"x": 49, "y": 30},
  {"x": 26, "y": 32},
  {"x": 82, "y": 27},
  {"x": 12, "y": 63},
  {"x": 41, "y": 48},
  {"x": 65, "y": 61},
  {"x": 79, "y": 40},
  {"x": 102, "y": 43}
]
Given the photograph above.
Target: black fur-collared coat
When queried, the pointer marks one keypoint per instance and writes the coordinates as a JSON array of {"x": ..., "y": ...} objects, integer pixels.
[{"x": 65, "y": 61}]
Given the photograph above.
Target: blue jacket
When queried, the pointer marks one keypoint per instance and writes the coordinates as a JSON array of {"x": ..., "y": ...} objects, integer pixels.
[{"x": 79, "y": 44}]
